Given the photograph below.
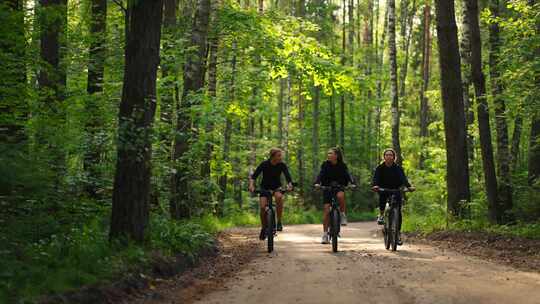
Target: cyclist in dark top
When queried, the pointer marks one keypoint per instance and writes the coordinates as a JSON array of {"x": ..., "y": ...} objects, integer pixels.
[
  {"x": 333, "y": 170},
  {"x": 271, "y": 170},
  {"x": 391, "y": 176}
]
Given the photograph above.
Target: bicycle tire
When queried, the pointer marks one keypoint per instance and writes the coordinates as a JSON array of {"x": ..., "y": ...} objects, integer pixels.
[
  {"x": 334, "y": 230},
  {"x": 270, "y": 220},
  {"x": 395, "y": 232}
]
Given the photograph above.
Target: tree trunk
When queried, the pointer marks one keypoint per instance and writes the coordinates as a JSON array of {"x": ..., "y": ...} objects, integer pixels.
[
  {"x": 534, "y": 152},
  {"x": 94, "y": 88},
  {"x": 380, "y": 63},
  {"x": 315, "y": 135},
  {"x": 503, "y": 151},
  {"x": 343, "y": 62},
  {"x": 280, "y": 111},
  {"x": 193, "y": 82},
  {"x": 516, "y": 139},
  {"x": 465, "y": 52},
  {"x": 393, "y": 78},
  {"x": 424, "y": 102},
  {"x": 132, "y": 179},
  {"x": 287, "y": 120},
  {"x": 213, "y": 44},
  {"x": 223, "y": 179},
  {"x": 457, "y": 179},
  {"x": 333, "y": 131},
  {"x": 300, "y": 152},
  {"x": 475, "y": 59},
  {"x": 407, "y": 38},
  {"x": 14, "y": 106}
]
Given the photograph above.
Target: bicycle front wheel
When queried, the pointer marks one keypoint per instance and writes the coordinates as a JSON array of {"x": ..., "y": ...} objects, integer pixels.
[
  {"x": 270, "y": 224},
  {"x": 394, "y": 229},
  {"x": 334, "y": 229}
]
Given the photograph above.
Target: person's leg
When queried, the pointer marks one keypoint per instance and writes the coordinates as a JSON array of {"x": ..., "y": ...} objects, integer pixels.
[
  {"x": 263, "y": 202},
  {"x": 341, "y": 200},
  {"x": 382, "y": 205},
  {"x": 279, "y": 205},
  {"x": 326, "y": 217}
]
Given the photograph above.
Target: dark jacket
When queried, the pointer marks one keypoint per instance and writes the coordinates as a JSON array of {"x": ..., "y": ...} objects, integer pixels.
[
  {"x": 391, "y": 177},
  {"x": 334, "y": 173},
  {"x": 271, "y": 179}
]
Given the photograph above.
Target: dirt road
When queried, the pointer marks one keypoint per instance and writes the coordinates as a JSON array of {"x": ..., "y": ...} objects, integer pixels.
[{"x": 301, "y": 270}]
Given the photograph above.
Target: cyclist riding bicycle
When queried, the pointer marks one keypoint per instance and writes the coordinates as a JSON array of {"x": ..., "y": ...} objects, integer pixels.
[
  {"x": 333, "y": 170},
  {"x": 271, "y": 170},
  {"x": 391, "y": 176}
]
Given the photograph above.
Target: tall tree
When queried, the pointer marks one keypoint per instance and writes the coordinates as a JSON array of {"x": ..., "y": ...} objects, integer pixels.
[
  {"x": 133, "y": 169},
  {"x": 503, "y": 149},
  {"x": 194, "y": 72},
  {"x": 424, "y": 102},
  {"x": 94, "y": 87},
  {"x": 475, "y": 45},
  {"x": 457, "y": 176},
  {"x": 394, "y": 96},
  {"x": 534, "y": 139},
  {"x": 14, "y": 108},
  {"x": 406, "y": 37},
  {"x": 465, "y": 52}
]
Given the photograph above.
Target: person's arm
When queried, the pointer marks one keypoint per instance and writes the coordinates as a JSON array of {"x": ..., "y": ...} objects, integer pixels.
[
  {"x": 404, "y": 180},
  {"x": 288, "y": 177},
  {"x": 254, "y": 176},
  {"x": 350, "y": 178},
  {"x": 319, "y": 176},
  {"x": 376, "y": 180}
]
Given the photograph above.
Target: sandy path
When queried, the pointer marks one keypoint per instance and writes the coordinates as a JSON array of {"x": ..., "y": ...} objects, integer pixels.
[{"x": 301, "y": 270}]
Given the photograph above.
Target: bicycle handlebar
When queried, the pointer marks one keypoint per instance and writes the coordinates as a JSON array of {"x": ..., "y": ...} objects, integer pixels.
[
  {"x": 394, "y": 190},
  {"x": 338, "y": 187}
]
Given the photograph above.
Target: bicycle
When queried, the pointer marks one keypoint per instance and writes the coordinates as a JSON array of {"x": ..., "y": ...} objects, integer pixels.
[
  {"x": 335, "y": 213},
  {"x": 270, "y": 214},
  {"x": 392, "y": 213}
]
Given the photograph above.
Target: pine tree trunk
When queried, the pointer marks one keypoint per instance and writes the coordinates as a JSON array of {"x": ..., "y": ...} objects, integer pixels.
[
  {"x": 315, "y": 136},
  {"x": 407, "y": 38},
  {"x": 223, "y": 180},
  {"x": 194, "y": 73},
  {"x": 534, "y": 152},
  {"x": 393, "y": 78},
  {"x": 516, "y": 140},
  {"x": 333, "y": 130},
  {"x": 300, "y": 152},
  {"x": 131, "y": 192},
  {"x": 280, "y": 111},
  {"x": 503, "y": 149},
  {"x": 94, "y": 88},
  {"x": 465, "y": 52},
  {"x": 287, "y": 120},
  {"x": 213, "y": 44},
  {"x": 13, "y": 89},
  {"x": 457, "y": 179},
  {"x": 424, "y": 102},
  {"x": 475, "y": 61}
]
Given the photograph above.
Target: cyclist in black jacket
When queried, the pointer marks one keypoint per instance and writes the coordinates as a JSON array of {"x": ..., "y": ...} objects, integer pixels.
[
  {"x": 333, "y": 170},
  {"x": 389, "y": 175},
  {"x": 271, "y": 170}
]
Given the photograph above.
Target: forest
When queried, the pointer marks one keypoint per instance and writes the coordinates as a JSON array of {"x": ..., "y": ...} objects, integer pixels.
[{"x": 132, "y": 126}]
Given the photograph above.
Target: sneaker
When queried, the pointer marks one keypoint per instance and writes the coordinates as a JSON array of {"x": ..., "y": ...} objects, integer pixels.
[
  {"x": 343, "y": 219},
  {"x": 325, "y": 239},
  {"x": 262, "y": 236},
  {"x": 380, "y": 220},
  {"x": 399, "y": 242},
  {"x": 279, "y": 227}
]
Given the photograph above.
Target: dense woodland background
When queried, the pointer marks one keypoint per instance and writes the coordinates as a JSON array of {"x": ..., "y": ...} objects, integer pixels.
[{"x": 129, "y": 126}]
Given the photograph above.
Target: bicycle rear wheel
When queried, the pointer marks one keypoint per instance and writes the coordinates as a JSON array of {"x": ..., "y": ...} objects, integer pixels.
[
  {"x": 334, "y": 229},
  {"x": 394, "y": 229},
  {"x": 270, "y": 224}
]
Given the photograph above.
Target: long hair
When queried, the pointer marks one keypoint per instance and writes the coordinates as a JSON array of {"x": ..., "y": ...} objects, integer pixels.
[
  {"x": 339, "y": 154},
  {"x": 393, "y": 152},
  {"x": 273, "y": 152}
]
